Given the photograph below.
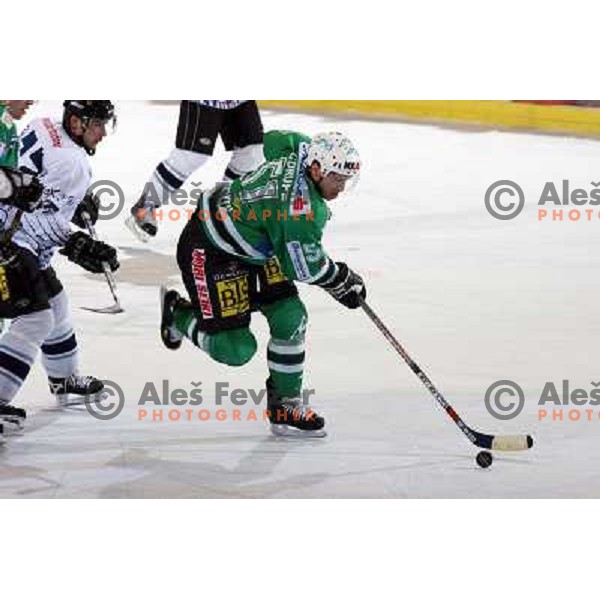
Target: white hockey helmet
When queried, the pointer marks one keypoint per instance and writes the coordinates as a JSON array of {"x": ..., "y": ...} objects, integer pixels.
[{"x": 335, "y": 153}]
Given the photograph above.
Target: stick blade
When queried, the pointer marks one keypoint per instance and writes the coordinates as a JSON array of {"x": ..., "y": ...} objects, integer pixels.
[
  {"x": 109, "y": 310},
  {"x": 512, "y": 443},
  {"x": 501, "y": 443}
]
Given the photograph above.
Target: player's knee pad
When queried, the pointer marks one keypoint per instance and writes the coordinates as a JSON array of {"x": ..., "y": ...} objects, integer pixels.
[
  {"x": 184, "y": 162},
  {"x": 287, "y": 319},
  {"x": 234, "y": 347},
  {"x": 244, "y": 160},
  {"x": 34, "y": 328}
]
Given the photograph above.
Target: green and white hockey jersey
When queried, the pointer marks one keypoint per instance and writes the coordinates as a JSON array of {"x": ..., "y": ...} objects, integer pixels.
[
  {"x": 9, "y": 140},
  {"x": 274, "y": 211}
]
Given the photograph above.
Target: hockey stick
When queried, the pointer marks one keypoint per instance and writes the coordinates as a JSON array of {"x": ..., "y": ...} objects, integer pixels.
[
  {"x": 115, "y": 309},
  {"x": 482, "y": 440}
]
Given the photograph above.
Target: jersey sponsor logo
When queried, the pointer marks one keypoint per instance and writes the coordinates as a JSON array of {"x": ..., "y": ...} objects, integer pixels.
[
  {"x": 232, "y": 271},
  {"x": 234, "y": 298},
  {"x": 53, "y": 133},
  {"x": 273, "y": 271},
  {"x": 290, "y": 173},
  {"x": 199, "y": 273},
  {"x": 299, "y": 183},
  {"x": 314, "y": 253},
  {"x": 298, "y": 260},
  {"x": 4, "y": 289},
  {"x": 300, "y": 199},
  {"x": 300, "y": 205},
  {"x": 302, "y": 155}
]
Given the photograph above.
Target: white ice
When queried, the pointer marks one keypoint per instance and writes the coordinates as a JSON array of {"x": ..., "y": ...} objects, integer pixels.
[{"x": 473, "y": 299}]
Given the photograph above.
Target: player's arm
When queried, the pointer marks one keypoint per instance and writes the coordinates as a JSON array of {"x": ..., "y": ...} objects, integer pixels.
[
  {"x": 80, "y": 247},
  {"x": 304, "y": 259}
]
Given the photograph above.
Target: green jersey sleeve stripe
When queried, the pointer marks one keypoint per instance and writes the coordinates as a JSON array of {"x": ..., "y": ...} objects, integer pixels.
[
  {"x": 328, "y": 272},
  {"x": 216, "y": 238}
]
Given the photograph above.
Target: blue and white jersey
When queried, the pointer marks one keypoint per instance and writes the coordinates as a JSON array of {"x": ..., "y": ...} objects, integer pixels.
[{"x": 64, "y": 169}]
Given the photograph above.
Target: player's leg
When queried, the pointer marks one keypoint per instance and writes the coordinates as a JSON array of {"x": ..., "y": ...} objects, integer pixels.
[
  {"x": 23, "y": 299},
  {"x": 60, "y": 352},
  {"x": 242, "y": 133},
  {"x": 286, "y": 314},
  {"x": 217, "y": 317},
  {"x": 197, "y": 132}
]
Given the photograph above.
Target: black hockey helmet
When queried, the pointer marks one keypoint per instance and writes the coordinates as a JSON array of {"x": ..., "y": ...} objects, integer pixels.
[{"x": 102, "y": 111}]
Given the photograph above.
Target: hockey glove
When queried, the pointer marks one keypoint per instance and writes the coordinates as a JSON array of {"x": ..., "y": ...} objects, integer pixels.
[
  {"x": 347, "y": 287},
  {"x": 21, "y": 190},
  {"x": 90, "y": 205},
  {"x": 17, "y": 287},
  {"x": 90, "y": 254}
]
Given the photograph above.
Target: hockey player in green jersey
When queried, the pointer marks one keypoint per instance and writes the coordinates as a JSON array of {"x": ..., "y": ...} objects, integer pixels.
[
  {"x": 247, "y": 244},
  {"x": 10, "y": 110}
]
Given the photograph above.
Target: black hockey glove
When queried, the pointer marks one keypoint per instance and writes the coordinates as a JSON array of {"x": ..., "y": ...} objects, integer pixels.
[
  {"x": 21, "y": 190},
  {"x": 16, "y": 283},
  {"x": 90, "y": 205},
  {"x": 89, "y": 253},
  {"x": 347, "y": 287}
]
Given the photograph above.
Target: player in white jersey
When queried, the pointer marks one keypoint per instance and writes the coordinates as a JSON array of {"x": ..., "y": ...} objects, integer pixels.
[
  {"x": 201, "y": 122},
  {"x": 31, "y": 294}
]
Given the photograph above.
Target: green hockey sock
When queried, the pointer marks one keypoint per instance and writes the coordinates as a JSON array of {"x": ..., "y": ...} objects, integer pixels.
[{"x": 285, "y": 352}]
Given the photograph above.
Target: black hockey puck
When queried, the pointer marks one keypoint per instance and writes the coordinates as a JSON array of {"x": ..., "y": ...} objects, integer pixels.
[{"x": 484, "y": 459}]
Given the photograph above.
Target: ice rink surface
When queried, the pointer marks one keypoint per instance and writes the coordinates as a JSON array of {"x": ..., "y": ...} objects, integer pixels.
[{"x": 474, "y": 299}]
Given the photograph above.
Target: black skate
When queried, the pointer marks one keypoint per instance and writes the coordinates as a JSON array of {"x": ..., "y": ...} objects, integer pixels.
[
  {"x": 142, "y": 220},
  {"x": 12, "y": 417},
  {"x": 169, "y": 301},
  {"x": 76, "y": 389},
  {"x": 292, "y": 417}
]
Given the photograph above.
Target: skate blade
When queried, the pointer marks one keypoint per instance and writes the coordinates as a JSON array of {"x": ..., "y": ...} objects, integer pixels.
[
  {"x": 139, "y": 233},
  {"x": 74, "y": 401},
  {"x": 294, "y": 432},
  {"x": 162, "y": 292},
  {"x": 13, "y": 426}
]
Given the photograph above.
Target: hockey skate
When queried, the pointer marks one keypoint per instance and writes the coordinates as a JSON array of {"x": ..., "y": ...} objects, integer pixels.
[
  {"x": 12, "y": 418},
  {"x": 142, "y": 221},
  {"x": 169, "y": 300},
  {"x": 293, "y": 417},
  {"x": 76, "y": 389}
]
